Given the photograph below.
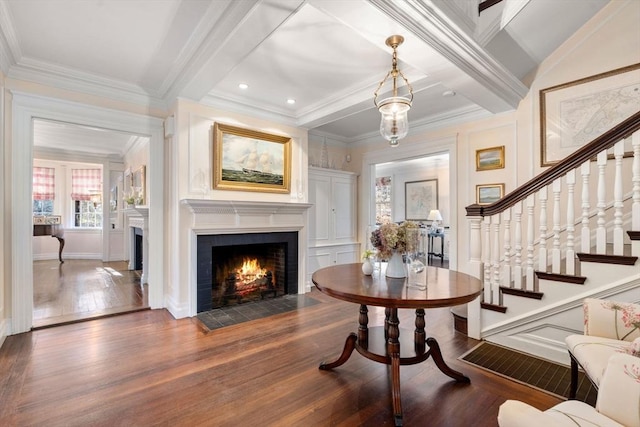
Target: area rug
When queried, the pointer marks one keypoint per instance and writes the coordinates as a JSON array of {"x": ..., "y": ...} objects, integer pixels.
[
  {"x": 541, "y": 374},
  {"x": 232, "y": 315}
]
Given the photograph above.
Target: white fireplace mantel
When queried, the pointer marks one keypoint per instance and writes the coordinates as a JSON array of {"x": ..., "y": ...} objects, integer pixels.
[
  {"x": 138, "y": 216},
  {"x": 229, "y": 217}
]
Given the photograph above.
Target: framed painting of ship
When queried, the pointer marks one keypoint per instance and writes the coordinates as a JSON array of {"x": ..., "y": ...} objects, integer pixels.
[{"x": 249, "y": 160}]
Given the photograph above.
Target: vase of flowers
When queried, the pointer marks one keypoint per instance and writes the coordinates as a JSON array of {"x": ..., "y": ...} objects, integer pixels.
[
  {"x": 367, "y": 266},
  {"x": 391, "y": 242}
]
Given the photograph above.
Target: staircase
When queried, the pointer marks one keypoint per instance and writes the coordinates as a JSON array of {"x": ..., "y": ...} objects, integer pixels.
[{"x": 570, "y": 233}]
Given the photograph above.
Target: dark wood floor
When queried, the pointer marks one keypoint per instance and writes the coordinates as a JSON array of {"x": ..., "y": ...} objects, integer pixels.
[
  {"x": 84, "y": 289},
  {"x": 146, "y": 368}
]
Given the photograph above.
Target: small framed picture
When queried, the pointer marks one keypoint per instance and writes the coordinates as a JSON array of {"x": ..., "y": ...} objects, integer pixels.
[
  {"x": 489, "y": 193},
  {"x": 490, "y": 158}
]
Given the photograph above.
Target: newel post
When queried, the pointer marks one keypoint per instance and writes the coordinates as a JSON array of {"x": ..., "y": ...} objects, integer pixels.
[{"x": 475, "y": 249}]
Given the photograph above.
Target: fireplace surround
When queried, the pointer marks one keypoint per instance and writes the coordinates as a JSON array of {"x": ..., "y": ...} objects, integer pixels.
[{"x": 215, "y": 219}]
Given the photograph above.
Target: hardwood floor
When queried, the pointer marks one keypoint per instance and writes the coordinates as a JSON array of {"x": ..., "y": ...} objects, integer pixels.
[
  {"x": 84, "y": 289},
  {"x": 147, "y": 368}
]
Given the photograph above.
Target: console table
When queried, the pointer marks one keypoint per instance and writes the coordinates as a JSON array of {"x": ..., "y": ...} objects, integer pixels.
[
  {"x": 385, "y": 344},
  {"x": 431, "y": 251},
  {"x": 52, "y": 230}
]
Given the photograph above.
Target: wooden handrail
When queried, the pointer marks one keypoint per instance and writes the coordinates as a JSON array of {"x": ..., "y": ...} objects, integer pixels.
[{"x": 589, "y": 151}]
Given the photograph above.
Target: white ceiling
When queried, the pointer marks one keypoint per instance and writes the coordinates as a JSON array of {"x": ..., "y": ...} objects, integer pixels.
[{"x": 328, "y": 55}]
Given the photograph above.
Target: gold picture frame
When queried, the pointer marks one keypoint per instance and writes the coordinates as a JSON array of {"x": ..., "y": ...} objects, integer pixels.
[
  {"x": 249, "y": 160},
  {"x": 575, "y": 113},
  {"x": 490, "y": 158},
  {"x": 487, "y": 194}
]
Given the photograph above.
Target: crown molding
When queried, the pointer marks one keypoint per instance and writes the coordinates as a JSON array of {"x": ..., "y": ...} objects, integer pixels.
[
  {"x": 46, "y": 153},
  {"x": 78, "y": 81},
  {"x": 253, "y": 110}
]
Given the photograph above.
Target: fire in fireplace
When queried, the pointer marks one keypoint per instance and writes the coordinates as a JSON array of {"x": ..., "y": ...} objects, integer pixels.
[
  {"x": 238, "y": 268},
  {"x": 247, "y": 273}
]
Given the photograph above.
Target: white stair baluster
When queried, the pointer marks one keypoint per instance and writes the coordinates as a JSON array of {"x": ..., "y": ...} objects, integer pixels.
[
  {"x": 495, "y": 254},
  {"x": 506, "y": 265},
  {"x": 618, "y": 232},
  {"x": 486, "y": 259},
  {"x": 635, "y": 209},
  {"x": 542, "y": 252},
  {"x": 517, "y": 269},
  {"x": 570, "y": 264},
  {"x": 585, "y": 236},
  {"x": 475, "y": 251},
  {"x": 531, "y": 204},
  {"x": 601, "y": 231},
  {"x": 555, "y": 251}
]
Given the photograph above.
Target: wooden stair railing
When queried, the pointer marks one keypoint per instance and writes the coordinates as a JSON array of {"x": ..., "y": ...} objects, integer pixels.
[
  {"x": 587, "y": 152},
  {"x": 501, "y": 264}
]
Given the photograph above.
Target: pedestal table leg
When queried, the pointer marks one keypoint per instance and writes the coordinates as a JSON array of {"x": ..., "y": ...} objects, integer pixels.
[{"x": 393, "y": 350}]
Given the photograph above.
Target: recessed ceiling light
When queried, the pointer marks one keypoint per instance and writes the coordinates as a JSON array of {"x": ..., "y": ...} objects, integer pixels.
[
  {"x": 448, "y": 93},
  {"x": 243, "y": 86},
  {"x": 291, "y": 101}
]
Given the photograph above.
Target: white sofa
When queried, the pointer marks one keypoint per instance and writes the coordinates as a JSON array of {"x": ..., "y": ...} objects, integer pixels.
[
  {"x": 618, "y": 403},
  {"x": 609, "y": 327}
]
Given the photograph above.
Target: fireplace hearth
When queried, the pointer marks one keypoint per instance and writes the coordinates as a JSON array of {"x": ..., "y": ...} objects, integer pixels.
[{"x": 237, "y": 268}]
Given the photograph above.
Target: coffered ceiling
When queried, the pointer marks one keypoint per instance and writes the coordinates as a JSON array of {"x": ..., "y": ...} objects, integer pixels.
[{"x": 327, "y": 55}]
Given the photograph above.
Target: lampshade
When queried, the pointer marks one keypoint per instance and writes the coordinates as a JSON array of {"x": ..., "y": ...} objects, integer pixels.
[
  {"x": 434, "y": 215},
  {"x": 394, "y": 123}
]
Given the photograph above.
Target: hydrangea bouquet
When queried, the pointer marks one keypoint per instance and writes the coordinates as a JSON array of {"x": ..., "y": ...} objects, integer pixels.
[{"x": 392, "y": 237}]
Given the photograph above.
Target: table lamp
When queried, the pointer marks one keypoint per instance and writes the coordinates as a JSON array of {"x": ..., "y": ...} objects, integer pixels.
[{"x": 434, "y": 216}]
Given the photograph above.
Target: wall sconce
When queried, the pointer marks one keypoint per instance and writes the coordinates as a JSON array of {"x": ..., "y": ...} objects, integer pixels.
[{"x": 394, "y": 123}]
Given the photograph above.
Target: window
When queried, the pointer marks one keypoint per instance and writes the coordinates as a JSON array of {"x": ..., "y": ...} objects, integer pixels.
[
  {"x": 44, "y": 188},
  {"x": 87, "y": 213},
  {"x": 86, "y": 193},
  {"x": 383, "y": 199}
]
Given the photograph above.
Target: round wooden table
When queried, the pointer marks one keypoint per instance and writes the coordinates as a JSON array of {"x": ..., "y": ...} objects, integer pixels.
[{"x": 384, "y": 344}]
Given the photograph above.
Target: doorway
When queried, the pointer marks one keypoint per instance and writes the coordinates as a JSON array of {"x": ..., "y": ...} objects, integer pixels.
[
  {"x": 428, "y": 162},
  {"x": 26, "y": 109}
]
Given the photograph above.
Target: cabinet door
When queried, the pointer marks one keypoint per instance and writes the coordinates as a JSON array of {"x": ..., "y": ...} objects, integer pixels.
[
  {"x": 347, "y": 254},
  {"x": 344, "y": 204},
  {"x": 320, "y": 214}
]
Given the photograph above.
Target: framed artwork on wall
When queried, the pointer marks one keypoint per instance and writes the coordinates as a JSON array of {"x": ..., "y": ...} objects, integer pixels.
[
  {"x": 420, "y": 197},
  {"x": 490, "y": 158},
  {"x": 249, "y": 160},
  {"x": 489, "y": 193},
  {"x": 575, "y": 113}
]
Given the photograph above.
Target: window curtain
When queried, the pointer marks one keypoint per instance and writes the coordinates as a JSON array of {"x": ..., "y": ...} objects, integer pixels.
[
  {"x": 85, "y": 183},
  {"x": 44, "y": 183}
]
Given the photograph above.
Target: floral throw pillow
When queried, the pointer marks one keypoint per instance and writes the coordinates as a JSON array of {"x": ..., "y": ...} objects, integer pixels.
[{"x": 610, "y": 319}]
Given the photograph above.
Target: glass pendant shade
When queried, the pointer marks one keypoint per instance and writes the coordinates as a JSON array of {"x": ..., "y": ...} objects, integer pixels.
[{"x": 394, "y": 124}]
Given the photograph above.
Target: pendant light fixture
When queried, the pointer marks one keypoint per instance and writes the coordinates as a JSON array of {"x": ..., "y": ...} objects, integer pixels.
[{"x": 394, "y": 123}]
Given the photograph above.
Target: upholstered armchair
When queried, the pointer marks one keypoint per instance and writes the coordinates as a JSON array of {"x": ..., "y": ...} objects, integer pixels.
[
  {"x": 618, "y": 402},
  {"x": 609, "y": 327}
]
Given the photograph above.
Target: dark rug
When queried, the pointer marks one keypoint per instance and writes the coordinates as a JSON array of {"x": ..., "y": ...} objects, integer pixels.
[
  {"x": 538, "y": 373},
  {"x": 232, "y": 315}
]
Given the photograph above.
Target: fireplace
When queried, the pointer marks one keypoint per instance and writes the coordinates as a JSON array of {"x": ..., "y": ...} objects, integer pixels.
[{"x": 239, "y": 268}]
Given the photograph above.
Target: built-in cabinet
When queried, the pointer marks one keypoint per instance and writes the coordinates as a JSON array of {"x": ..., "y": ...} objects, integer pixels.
[{"x": 332, "y": 219}]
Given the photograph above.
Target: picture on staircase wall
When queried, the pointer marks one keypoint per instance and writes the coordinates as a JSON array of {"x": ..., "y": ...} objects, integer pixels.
[
  {"x": 489, "y": 193},
  {"x": 574, "y": 114},
  {"x": 249, "y": 160}
]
